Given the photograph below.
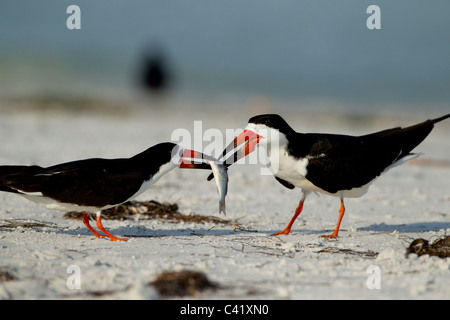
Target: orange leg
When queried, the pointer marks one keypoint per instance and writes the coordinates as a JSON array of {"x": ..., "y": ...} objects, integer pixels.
[
  {"x": 111, "y": 237},
  {"x": 299, "y": 209},
  {"x": 87, "y": 224},
  {"x": 341, "y": 215}
]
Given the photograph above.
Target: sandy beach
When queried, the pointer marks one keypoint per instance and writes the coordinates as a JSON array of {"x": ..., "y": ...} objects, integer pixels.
[{"x": 409, "y": 202}]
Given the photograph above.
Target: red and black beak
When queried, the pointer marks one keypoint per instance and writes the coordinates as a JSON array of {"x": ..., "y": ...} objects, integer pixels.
[
  {"x": 196, "y": 160},
  {"x": 249, "y": 138}
]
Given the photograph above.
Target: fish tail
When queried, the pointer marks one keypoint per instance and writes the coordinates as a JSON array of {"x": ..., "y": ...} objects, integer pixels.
[{"x": 222, "y": 207}]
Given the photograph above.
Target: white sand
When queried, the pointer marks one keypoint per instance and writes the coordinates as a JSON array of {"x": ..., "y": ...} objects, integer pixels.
[{"x": 408, "y": 202}]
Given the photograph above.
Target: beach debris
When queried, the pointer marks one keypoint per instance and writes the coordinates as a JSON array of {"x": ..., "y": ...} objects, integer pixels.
[
  {"x": 438, "y": 248},
  {"x": 5, "y": 275},
  {"x": 147, "y": 210},
  {"x": 362, "y": 254},
  {"x": 51, "y": 102},
  {"x": 182, "y": 283},
  {"x": 24, "y": 223},
  {"x": 429, "y": 162}
]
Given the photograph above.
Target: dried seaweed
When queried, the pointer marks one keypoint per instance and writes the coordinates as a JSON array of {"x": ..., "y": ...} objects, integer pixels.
[
  {"x": 24, "y": 223},
  {"x": 148, "y": 210},
  {"x": 5, "y": 275},
  {"x": 182, "y": 283},
  {"x": 362, "y": 254},
  {"x": 439, "y": 248}
]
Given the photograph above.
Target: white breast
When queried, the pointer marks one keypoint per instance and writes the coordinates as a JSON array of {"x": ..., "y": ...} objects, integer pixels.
[
  {"x": 295, "y": 170},
  {"x": 288, "y": 168},
  {"x": 165, "y": 168}
]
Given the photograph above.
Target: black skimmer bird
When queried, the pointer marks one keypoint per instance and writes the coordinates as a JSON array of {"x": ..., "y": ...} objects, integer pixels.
[
  {"x": 333, "y": 164},
  {"x": 92, "y": 185}
]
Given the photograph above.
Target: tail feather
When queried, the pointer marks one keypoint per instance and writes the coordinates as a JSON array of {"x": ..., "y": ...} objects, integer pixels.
[
  {"x": 440, "y": 118},
  {"x": 412, "y": 136},
  {"x": 406, "y": 139},
  {"x": 13, "y": 178}
]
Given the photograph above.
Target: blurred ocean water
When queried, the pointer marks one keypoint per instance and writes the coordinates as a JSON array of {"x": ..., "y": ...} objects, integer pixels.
[{"x": 299, "y": 50}]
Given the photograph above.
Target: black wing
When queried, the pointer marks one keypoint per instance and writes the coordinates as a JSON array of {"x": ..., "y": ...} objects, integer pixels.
[
  {"x": 91, "y": 182},
  {"x": 339, "y": 162},
  {"x": 285, "y": 183},
  {"x": 343, "y": 162}
]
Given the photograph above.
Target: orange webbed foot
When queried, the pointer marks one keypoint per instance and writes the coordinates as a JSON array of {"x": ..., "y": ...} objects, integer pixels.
[{"x": 285, "y": 231}]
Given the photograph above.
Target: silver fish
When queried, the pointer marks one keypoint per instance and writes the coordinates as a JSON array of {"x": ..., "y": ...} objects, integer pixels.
[{"x": 220, "y": 171}]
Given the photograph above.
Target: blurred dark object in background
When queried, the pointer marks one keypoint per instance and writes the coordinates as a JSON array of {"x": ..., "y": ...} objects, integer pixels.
[{"x": 153, "y": 72}]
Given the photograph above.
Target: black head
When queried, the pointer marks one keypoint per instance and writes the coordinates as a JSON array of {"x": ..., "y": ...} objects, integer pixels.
[
  {"x": 273, "y": 121},
  {"x": 164, "y": 151},
  {"x": 170, "y": 155},
  {"x": 158, "y": 155}
]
